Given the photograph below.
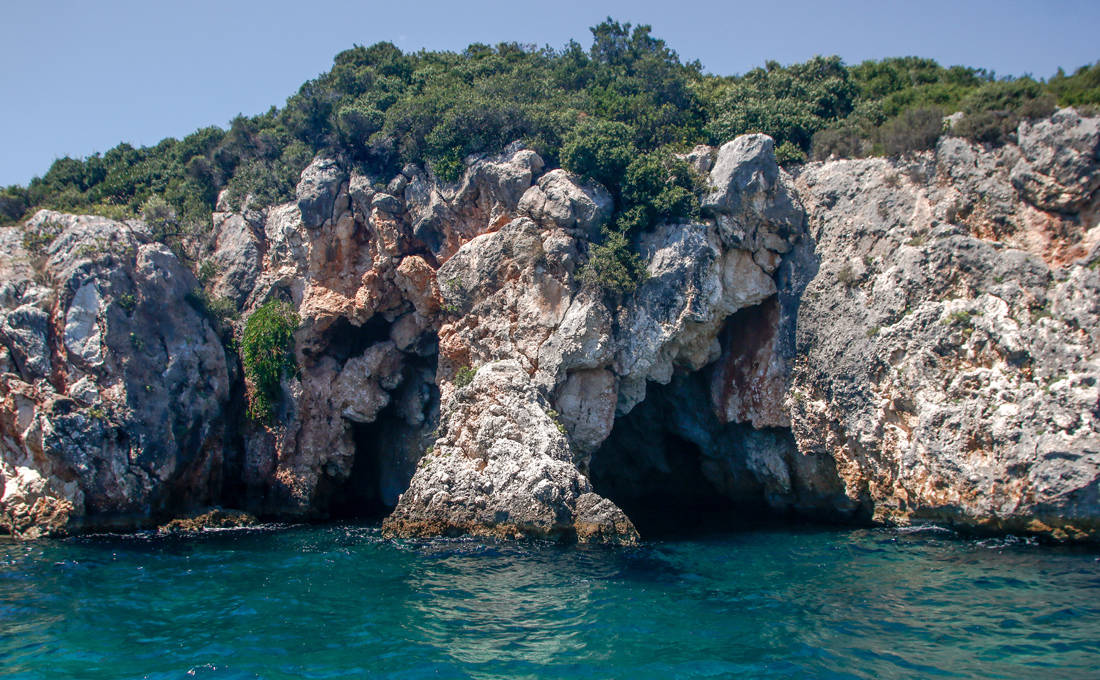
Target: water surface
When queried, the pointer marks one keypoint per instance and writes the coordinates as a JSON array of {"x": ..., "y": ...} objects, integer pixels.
[{"x": 339, "y": 601}]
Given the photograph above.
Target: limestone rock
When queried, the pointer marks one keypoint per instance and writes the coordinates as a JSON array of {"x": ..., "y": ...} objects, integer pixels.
[
  {"x": 903, "y": 340},
  {"x": 126, "y": 422},
  {"x": 752, "y": 197},
  {"x": 485, "y": 198},
  {"x": 561, "y": 200},
  {"x": 213, "y": 519},
  {"x": 950, "y": 377},
  {"x": 701, "y": 159},
  {"x": 318, "y": 192},
  {"x": 1060, "y": 168},
  {"x": 237, "y": 259},
  {"x": 503, "y": 468}
]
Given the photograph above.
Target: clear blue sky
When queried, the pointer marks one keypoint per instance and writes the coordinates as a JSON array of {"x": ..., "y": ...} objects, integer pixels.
[{"x": 79, "y": 77}]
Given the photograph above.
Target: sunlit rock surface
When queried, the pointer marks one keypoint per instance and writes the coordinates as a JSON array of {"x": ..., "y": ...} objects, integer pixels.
[{"x": 857, "y": 340}]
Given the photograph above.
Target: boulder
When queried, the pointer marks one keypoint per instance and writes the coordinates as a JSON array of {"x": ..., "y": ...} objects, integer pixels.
[
  {"x": 318, "y": 190},
  {"x": 752, "y": 198},
  {"x": 561, "y": 200}
]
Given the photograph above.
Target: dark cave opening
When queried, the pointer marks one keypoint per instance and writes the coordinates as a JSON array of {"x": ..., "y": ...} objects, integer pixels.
[
  {"x": 662, "y": 488},
  {"x": 676, "y": 465},
  {"x": 343, "y": 340},
  {"x": 360, "y": 497},
  {"x": 659, "y": 465},
  {"x": 388, "y": 448}
]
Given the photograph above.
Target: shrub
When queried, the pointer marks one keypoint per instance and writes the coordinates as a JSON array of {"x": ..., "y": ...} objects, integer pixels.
[
  {"x": 13, "y": 203},
  {"x": 160, "y": 217},
  {"x": 464, "y": 376},
  {"x": 913, "y": 130},
  {"x": 787, "y": 152},
  {"x": 994, "y": 110},
  {"x": 267, "y": 355},
  {"x": 600, "y": 150},
  {"x": 790, "y": 103},
  {"x": 658, "y": 187},
  {"x": 1081, "y": 88},
  {"x": 839, "y": 142},
  {"x": 612, "y": 266},
  {"x": 128, "y": 302},
  {"x": 207, "y": 271},
  {"x": 998, "y": 126},
  {"x": 846, "y": 275},
  {"x": 985, "y": 127},
  {"x": 358, "y": 121}
]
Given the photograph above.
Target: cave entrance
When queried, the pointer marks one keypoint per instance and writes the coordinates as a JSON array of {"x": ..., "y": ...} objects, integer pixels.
[
  {"x": 388, "y": 448},
  {"x": 343, "y": 339},
  {"x": 675, "y": 469},
  {"x": 657, "y": 478},
  {"x": 676, "y": 464},
  {"x": 665, "y": 465},
  {"x": 360, "y": 496}
]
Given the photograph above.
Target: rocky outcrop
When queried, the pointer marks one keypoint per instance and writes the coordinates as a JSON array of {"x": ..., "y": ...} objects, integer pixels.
[
  {"x": 952, "y": 377},
  {"x": 503, "y": 467},
  {"x": 114, "y": 387},
  {"x": 1060, "y": 160},
  {"x": 518, "y": 301},
  {"x": 889, "y": 340}
]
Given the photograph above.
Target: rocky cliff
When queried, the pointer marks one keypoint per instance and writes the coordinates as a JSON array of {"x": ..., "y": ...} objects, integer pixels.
[{"x": 864, "y": 340}]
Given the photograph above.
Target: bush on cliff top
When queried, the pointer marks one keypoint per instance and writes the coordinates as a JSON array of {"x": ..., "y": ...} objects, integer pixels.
[
  {"x": 589, "y": 110},
  {"x": 267, "y": 354}
]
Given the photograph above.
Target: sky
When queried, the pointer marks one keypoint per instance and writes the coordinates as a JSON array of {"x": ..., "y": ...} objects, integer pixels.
[{"x": 78, "y": 77}]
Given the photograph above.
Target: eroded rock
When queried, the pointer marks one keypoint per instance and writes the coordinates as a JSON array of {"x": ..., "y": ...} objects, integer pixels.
[{"x": 121, "y": 384}]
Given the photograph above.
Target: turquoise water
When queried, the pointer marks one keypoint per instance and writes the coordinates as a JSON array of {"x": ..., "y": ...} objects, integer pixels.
[{"x": 339, "y": 601}]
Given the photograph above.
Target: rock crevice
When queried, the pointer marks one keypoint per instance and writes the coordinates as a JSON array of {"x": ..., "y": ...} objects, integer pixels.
[{"x": 890, "y": 340}]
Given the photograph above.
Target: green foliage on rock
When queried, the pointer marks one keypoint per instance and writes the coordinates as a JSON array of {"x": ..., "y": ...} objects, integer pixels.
[
  {"x": 37, "y": 239},
  {"x": 267, "y": 354},
  {"x": 789, "y": 103},
  {"x": 594, "y": 111},
  {"x": 1080, "y": 89},
  {"x": 612, "y": 266},
  {"x": 464, "y": 376},
  {"x": 913, "y": 130},
  {"x": 600, "y": 150},
  {"x": 657, "y": 188}
]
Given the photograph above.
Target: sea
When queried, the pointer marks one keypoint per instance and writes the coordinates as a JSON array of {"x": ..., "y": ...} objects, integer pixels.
[{"x": 341, "y": 601}]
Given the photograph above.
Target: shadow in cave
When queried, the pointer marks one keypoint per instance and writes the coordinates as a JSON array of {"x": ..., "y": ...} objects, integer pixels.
[
  {"x": 343, "y": 340},
  {"x": 677, "y": 469},
  {"x": 359, "y": 497},
  {"x": 650, "y": 467},
  {"x": 388, "y": 448}
]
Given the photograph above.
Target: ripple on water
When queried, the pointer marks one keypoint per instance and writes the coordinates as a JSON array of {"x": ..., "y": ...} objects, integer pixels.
[{"x": 340, "y": 601}]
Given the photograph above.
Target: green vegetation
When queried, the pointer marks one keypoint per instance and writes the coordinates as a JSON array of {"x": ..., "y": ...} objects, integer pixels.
[
  {"x": 556, "y": 417},
  {"x": 789, "y": 103},
  {"x": 962, "y": 317},
  {"x": 616, "y": 112},
  {"x": 128, "y": 302},
  {"x": 267, "y": 354},
  {"x": 464, "y": 376},
  {"x": 612, "y": 265}
]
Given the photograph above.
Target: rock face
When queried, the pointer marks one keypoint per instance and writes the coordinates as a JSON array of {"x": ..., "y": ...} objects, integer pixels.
[
  {"x": 503, "y": 467},
  {"x": 952, "y": 377},
  {"x": 895, "y": 341},
  {"x": 115, "y": 387}
]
